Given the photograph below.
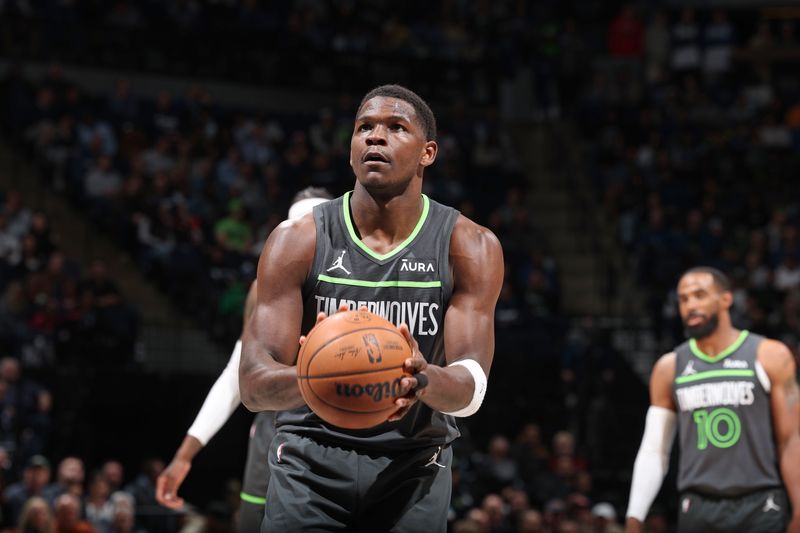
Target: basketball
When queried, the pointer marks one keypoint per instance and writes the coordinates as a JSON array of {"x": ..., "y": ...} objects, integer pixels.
[{"x": 350, "y": 367}]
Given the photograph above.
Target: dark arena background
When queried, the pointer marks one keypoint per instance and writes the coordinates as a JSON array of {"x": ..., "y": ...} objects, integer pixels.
[{"x": 149, "y": 147}]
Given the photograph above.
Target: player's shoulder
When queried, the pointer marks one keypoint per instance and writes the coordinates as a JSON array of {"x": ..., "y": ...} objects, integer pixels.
[
  {"x": 469, "y": 238},
  {"x": 294, "y": 237},
  {"x": 664, "y": 369},
  {"x": 775, "y": 357}
]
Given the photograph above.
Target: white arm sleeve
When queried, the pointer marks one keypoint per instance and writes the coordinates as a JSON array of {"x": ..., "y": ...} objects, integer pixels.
[
  {"x": 652, "y": 461},
  {"x": 221, "y": 401}
]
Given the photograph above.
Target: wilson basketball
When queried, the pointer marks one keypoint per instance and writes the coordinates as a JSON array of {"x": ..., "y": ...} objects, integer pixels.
[{"x": 350, "y": 367}]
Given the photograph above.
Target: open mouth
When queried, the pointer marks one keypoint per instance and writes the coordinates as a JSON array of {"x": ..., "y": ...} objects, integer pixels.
[
  {"x": 375, "y": 157},
  {"x": 694, "y": 320}
]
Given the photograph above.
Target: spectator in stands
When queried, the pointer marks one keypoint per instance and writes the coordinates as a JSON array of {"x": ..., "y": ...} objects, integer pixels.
[
  {"x": 497, "y": 511},
  {"x": 530, "y": 521},
  {"x": 233, "y": 233},
  {"x": 68, "y": 515},
  {"x": 497, "y": 469},
  {"x": 114, "y": 474},
  {"x": 36, "y": 517},
  {"x": 69, "y": 480},
  {"x": 98, "y": 508},
  {"x": 35, "y": 478},
  {"x": 625, "y": 34}
]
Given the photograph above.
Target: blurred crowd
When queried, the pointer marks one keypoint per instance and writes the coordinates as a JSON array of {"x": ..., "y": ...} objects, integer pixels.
[
  {"x": 52, "y": 311},
  {"x": 192, "y": 188},
  {"x": 692, "y": 123}
]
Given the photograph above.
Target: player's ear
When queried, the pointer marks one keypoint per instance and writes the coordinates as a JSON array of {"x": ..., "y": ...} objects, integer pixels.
[
  {"x": 429, "y": 152},
  {"x": 727, "y": 299}
]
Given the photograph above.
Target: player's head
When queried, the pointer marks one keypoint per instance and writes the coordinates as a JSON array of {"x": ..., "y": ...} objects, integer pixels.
[
  {"x": 394, "y": 139},
  {"x": 704, "y": 298},
  {"x": 305, "y": 200}
]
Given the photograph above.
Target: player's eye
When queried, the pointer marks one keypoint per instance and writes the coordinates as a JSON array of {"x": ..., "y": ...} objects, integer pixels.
[
  {"x": 365, "y": 127},
  {"x": 398, "y": 127}
]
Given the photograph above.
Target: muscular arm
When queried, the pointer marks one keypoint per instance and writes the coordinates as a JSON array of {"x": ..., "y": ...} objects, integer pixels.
[
  {"x": 652, "y": 459},
  {"x": 778, "y": 362},
  {"x": 477, "y": 260},
  {"x": 267, "y": 376}
]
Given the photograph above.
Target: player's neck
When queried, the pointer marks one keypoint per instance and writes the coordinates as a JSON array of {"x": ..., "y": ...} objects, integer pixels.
[
  {"x": 719, "y": 341},
  {"x": 390, "y": 220}
]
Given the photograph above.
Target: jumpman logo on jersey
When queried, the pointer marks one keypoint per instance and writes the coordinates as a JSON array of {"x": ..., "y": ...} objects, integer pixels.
[
  {"x": 338, "y": 263},
  {"x": 434, "y": 457},
  {"x": 770, "y": 504},
  {"x": 689, "y": 369}
]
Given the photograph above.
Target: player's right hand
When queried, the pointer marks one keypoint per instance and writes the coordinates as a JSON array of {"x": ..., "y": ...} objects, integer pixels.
[{"x": 169, "y": 481}]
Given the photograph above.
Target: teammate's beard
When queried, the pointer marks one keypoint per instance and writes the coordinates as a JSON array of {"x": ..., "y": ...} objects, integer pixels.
[{"x": 702, "y": 330}]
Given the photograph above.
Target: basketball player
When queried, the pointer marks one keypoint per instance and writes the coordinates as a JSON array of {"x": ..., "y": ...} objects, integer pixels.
[
  {"x": 734, "y": 398},
  {"x": 389, "y": 248},
  {"x": 221, "y": 401}
]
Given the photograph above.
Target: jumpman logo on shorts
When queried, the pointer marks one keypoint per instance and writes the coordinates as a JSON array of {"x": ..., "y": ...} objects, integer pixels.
[
  {"x": 279, "y": 451},
  {"x": 434, "y": 457},
  {"x": 770, "y": 504},
  {"x": 339, "y": 263}
]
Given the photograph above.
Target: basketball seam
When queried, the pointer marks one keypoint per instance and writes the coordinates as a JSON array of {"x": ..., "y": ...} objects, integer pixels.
[
  {"x": 312, "y": 356},
  {"x": 358, "y": 373}
]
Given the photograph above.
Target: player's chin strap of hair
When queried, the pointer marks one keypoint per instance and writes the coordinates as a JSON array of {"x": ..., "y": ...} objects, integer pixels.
[{"x": 479, "y": 377}]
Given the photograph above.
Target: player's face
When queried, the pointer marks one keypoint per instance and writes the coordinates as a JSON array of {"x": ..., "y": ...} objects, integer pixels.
[
  {"x": 700, "y": 302},
  {"x": 388, "y": 147}
]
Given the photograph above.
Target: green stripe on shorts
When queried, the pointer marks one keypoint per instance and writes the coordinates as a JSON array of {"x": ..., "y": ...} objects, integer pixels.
[{"x": 249, "y": 498}]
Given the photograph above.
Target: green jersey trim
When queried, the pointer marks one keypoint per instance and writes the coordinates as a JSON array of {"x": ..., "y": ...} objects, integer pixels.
[
  {"x": 373, "y": 284},
  {"x": 723, "y": 354},
  {"x": 249, "y": 498},
  {"x": 714, "y": 374},
  {"x": 380, "y": 257}
]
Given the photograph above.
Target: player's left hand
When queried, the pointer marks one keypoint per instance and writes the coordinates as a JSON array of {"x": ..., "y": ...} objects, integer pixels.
[{"x": 412, "y": 387}]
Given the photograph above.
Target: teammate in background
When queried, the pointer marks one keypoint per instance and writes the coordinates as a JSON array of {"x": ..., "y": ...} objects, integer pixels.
[
  {"x": 221, "y": 401},
  {"x": 734, "y": 398},
  {"x": 352, "y": 251}
]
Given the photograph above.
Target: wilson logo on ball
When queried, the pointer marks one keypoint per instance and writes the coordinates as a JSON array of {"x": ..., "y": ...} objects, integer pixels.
[
  {"x": 378, "y": 391},
  {"x": 373, "y": 348}
]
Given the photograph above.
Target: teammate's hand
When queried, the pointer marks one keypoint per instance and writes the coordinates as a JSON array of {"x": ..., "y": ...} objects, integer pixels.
[
  {"x": 322, "y": 316},
  {"x": 412, "y": 388},
  {"x": 169, "y": 481}
]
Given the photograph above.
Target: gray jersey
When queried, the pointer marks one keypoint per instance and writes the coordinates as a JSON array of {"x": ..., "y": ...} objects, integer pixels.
[
  {"x": 724, "y": 420},
  {"x": 411, "y": 284}
]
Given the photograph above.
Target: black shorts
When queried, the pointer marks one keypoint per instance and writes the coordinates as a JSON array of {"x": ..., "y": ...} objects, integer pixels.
[
  {"x": 763, "y": 511},
  {"x": 319, "y": 487},
  {"x": 256, "y": 473}
]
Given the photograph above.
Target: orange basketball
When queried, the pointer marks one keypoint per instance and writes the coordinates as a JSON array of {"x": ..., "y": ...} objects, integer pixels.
[{"x": 349, "y": 369}]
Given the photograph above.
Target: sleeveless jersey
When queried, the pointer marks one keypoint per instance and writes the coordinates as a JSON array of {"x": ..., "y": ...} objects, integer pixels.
[
  {"x": 724, "y": 420},
  {"x": 410, "y": 284}
]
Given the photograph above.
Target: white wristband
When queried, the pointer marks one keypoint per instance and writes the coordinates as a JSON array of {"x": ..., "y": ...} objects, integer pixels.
[
  {"x": 221, "y": 401},
  {"x": 479, "y": 377}
]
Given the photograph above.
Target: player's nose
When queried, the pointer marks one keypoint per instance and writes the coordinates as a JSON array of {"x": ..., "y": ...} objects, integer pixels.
[{"x": 377, "y": 136}]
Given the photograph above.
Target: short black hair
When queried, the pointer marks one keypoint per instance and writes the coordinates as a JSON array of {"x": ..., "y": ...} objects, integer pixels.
[
  {"x": 721, "y": 280},
  {"x": 312, "y": 192},
  {"x": 422, "y": 109}
]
